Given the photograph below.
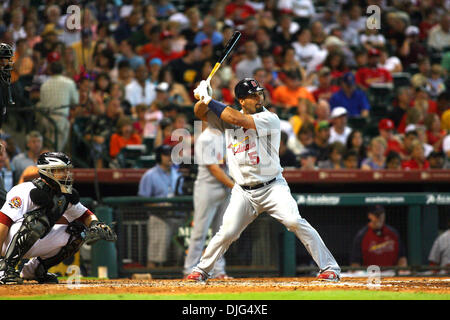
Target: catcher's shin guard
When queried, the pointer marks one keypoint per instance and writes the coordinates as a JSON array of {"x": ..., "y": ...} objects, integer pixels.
[
  {"x": 77, "y": 234},
  {"x": 34, "y": 226}
]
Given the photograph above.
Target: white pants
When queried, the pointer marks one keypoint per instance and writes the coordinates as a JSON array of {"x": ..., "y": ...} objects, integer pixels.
[
  {"x": 210, "y": 202},
  {"x": 277, "y": 201},
  {"x": 45, "y": 248}
]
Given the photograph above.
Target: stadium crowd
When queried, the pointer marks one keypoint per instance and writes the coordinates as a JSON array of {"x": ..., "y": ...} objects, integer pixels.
[{"x": 353, "y": 91}]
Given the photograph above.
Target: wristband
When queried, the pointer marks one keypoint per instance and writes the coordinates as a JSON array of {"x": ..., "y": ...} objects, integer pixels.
[{"x": 216, "y": 107}]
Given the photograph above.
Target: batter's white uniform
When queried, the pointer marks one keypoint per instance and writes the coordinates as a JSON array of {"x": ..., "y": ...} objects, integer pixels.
[
  {"x": 252, "y": 158},
  {"x": 210, "y": 198},
  {"x": 17, "y": 204}
]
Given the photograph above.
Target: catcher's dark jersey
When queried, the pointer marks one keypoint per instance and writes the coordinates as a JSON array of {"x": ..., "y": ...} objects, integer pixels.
[{"x": 381, "y": 249}]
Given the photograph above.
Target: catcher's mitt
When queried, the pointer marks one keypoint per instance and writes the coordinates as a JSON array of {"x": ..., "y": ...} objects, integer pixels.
[{"x": 99, "y": 231}]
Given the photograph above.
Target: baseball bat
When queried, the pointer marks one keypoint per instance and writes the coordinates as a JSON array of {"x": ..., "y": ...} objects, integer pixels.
[{"x": 225, "y": 53}]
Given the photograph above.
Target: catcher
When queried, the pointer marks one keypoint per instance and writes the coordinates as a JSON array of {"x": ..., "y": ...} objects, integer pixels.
[{"x": 44, "y": 221}]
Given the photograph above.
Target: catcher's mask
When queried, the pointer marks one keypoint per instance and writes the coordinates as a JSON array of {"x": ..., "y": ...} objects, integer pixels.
[
  {"x": 56, "y": 169},
  {"x": 6, "y": 54}
]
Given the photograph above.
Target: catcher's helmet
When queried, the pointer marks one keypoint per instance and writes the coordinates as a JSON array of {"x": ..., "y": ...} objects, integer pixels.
[
  {"x": 247, "y": 87},
  {"x": 6, "y": 52},
  {"x": 48, "y": 163}
]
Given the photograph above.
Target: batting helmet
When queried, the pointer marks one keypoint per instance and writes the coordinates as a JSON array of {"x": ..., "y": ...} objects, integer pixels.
[
  {"x": 246, "y": 87},
  {"x": 48, "y": 162}
]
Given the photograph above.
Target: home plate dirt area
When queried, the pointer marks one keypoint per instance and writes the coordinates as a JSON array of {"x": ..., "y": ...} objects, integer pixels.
[{"x": 157, "y": 286}]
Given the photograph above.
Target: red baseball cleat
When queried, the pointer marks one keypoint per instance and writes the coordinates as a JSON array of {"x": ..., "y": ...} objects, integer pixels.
[
  {"x": 328, "y": 276},
  {"x": 196, "y": 276},
  {"x": 222, "y": 276}
]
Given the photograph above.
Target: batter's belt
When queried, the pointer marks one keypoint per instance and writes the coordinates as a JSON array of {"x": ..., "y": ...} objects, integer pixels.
[{"x": 257, "y": 186}]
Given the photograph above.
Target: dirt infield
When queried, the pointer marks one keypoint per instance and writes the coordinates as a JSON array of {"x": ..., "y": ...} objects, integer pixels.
[{"x": 127, "y": 286}]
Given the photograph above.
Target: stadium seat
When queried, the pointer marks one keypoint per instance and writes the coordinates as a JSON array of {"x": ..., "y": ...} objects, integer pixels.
[
  {"x": 370, "y": 130},
  {"x": 129, "y": 155},
  {"x": 148, "y": 142},
  {"x": 145, "y": 161},
  {"x": 380, "y": 94},
  {"x": 401, "y": 79},
  {"x": 357, "y": 123}
]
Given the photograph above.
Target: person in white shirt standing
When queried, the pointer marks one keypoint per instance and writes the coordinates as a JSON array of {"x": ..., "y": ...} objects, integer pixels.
[
  {"x": 339, "y": 130},
  {"x": 252, "y": 137},
  {"x": 141, "y": 89}
]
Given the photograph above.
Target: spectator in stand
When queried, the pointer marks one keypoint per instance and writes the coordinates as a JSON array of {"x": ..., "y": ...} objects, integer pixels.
[
  {"x": 350, "y": 160},
  {"x": 372, "y": 38},
  {"x": 320, "y": 145},
  {"x": 34, "y": 146},
  {"x": 339, "y": 130},
  {"x": 377, "y": 243},
  {"x": 318, "y": 34},
  {"x": 84, "y": 50},
  {"x": 424, "y": 72},
  {"x": 272, "y": 70},
  {"x": 287, "y": 157},
  {"x": 58, "y": 94},
  {"x": 305, "y": 50},
  {"x": 337, "y": 150},
  {"x": 127, "y": 52},
  {"x": 22, "y": 60},
  {"x": 128, "y": 25},
  {"x": 411, "y": 49},
  {"x": 165, "y": 52},
  {"x": 418, "y": 160},
  {"x": 154, "y": 69},
  {"x": 164, "y": 132},
  {"x": 208, "y": 31},
  {"x": 302, "y": 140},
  {"x": 439, "y": 36},
  {"x": 238, "y": 11},
  {"x": 185, "y": 70},
  {"x": 423, "y": 102},
  {"x": 290, "y": 63},
  {"x": 177, "y": 92},
  {"x": 350, "y": 97},
  {"x": 328, "y": 17},
  {"x": 391, "y": 63},
  {"x": 102, "y": 87},
  {"x": 436, "y": 160},
  {"x": 308, "y": 159},
  {"x": 288, "y": 95},
  {"x": 386, "y": 130},
  {"x": 443, "y": 106},
  {"x": 372, "y": 74},
  {"x": 98, "y": 131},
  {"x": 393, "y": 161},
  {"x": 335, "y": 61},
  {"x": 376, "y": 155},
  {"x": 422, "y": 136},
  {"x": 322, "y": 111},
  {"x": 141, "y": 89},
  {"x": 355, "y": 143},
  {"x": 123, "y": 136},
  {"x": 125, "y": 75},
  {"x": 401, "y": 104},
  {"x": 303, "y": 115},
  {"x": 357, "y": 20},
  {"x": 434, "y": 134},
  {"x": 251, "y": 61},
  {"x": 436, "y": 81},
  {"x": 284, "y": 34},
  {"x": 263, "y": 41},
  {"x": 348, "y": 32},
  {"x": 194, "y": 24},
  {"x": 360, "y": 59},
  {"x": 325, "y": 88},
  {"x": 261, "y": 76}
]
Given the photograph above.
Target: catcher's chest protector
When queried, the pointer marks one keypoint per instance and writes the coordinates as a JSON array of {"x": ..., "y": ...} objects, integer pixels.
[{"x": 53, "y": 204}]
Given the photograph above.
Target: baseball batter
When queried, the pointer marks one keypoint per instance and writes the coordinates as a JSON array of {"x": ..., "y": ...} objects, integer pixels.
[
  {"x": 213, "y": 181},
  {"x": 44, "y": 221},
  {"x": 252, "y": 137}
]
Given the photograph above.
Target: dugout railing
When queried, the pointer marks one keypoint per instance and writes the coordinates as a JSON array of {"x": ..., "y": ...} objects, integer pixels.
[{"x": 266, "y": 248}]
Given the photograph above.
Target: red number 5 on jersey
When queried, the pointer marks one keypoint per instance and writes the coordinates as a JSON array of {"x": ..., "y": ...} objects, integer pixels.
[{"x": 254, "y": 158}]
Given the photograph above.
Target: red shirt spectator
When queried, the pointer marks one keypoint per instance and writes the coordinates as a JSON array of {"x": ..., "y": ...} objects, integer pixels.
[
  {"x": 325, "y": 89},
  {"x": 239, "y": 11},
  {"x": 418, "y": 160},
  {"x": 165, "y": 52},
  {"x": 366, "y": 76},
  {"x": 386, "y": 128}
]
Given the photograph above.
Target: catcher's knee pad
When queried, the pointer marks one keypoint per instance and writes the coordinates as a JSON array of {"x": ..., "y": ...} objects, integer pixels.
[
  {"x": 77, "y": 234},
  {"x": 34, "y": 226}
]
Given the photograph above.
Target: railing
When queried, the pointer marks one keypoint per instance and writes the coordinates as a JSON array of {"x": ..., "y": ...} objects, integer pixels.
[{"x": 266, "y": 248}]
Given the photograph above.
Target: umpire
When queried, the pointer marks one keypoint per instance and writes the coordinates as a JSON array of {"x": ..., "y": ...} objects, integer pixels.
[{"x": 6, "y": 54}]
